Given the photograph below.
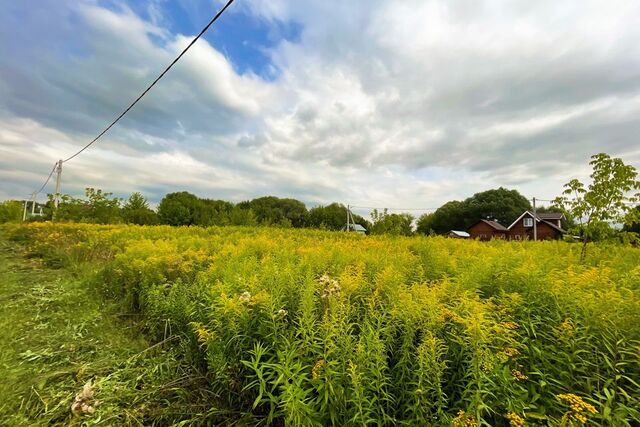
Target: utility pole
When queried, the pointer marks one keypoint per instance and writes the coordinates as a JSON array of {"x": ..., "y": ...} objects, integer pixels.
[
  {"x": 24, "y": 211},
  {"x": 58, "y": 176},
  {"x": 348, "y": 209},
  {"x": 535, "y": 220},
  {"x": 33, "y": 204}
]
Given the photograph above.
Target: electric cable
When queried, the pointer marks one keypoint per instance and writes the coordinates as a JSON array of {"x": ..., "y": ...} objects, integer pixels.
[{"x": 214, "y": 19}]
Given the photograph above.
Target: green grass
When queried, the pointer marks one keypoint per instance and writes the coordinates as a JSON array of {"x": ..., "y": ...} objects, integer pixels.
[{"x": 57, "y": 333}]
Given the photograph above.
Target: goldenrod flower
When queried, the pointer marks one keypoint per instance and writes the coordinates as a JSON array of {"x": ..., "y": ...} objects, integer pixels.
[
  {"x": 464, "y": 420},
  {"x": 515, "y": 420},
  {"x": 578, "y": 407},
  {"x": 315, "y": 371},
  {"x": 519, "y": 375},
  {"x": 510, "y": 351}
]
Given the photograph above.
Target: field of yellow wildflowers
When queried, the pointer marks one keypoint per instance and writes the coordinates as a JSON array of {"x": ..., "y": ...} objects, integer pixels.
[{"x": 313, "y": 328}]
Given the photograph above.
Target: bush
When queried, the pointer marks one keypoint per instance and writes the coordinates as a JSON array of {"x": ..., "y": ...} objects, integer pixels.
[{"x": 11, "y": 211}]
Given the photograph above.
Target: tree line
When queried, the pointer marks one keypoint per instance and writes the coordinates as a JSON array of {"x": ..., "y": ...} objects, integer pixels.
[
  {"x": 592, "y": 211},
  {"x": 184, "y": 208}
]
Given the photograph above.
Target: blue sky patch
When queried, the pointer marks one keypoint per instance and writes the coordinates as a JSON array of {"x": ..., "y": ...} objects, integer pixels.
[{"x": 243, "y": 38}]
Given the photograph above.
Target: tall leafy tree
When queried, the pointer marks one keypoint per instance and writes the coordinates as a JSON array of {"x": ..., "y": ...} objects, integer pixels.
[
  {"x": 632, "y": 225},
  {"x": 97, "y": 207},
  {"x": 239, "y": 216},
  {"x": 102, "y": 207},
  {"x": 177, "y": 208},
  {"x": 391, "y": 223},
  {"x": 271, "y": 210},
  {"x": 424, "y": 224},
  {"x": 207, "y": 212},
  {"x": 498, "y": 204},
  {"x": 332, "y": 217},
  {"x": 136, "y": 211},
  {"x": 607, "y": 199},
  {"x": 452, "y": 215}
]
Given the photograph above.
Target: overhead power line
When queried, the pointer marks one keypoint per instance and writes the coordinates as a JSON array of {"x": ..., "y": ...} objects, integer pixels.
[
  {"x": 204, "y": 30},
  {"x": 48, "y": 178},
  {"x": 542, "y": 200},
  {"x": 392, "y": 209}
]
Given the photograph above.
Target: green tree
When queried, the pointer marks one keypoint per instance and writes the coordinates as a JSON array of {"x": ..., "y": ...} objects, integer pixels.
[
  {"x": 332, "y": 217},
  {"x": 136, "y": 211},
  {"x": 11, "y": 211},
  {"x": 386, "y": 223},
  {"x": 98, "y": 207},
  {"x": 239, "y": 216},
  {"x": 69, "y": 209},
  {"x": 207, "y": 212},
  {"x": 271, "y": 210},
  {"x": 604, "y": 201},
  {"x": 499, "y": 204},
  {"x": 424, "y": 225},
  {"x": 177, "y": 208},
  {"x": 453, "y": 215},
  {"x": 632, "y": 224},
  {"x": 102, "y": 208}
]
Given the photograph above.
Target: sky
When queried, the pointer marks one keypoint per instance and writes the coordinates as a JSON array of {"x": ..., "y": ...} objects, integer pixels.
[{"x": 399, "y": 104}]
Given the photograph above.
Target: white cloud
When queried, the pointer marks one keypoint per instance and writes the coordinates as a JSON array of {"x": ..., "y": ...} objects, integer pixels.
[{"x": 397, "y": 103}]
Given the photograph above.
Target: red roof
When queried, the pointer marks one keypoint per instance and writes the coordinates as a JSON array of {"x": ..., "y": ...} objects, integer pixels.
[{"x": 496, "y": 225}]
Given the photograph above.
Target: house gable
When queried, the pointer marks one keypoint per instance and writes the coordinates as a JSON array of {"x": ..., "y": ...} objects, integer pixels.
[
  {"x": 521, "y": 229},
  {"x": 525, "y": 214}
]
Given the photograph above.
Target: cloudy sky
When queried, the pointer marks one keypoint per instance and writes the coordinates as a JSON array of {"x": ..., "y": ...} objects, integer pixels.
[{"x": 376, "y": 103}]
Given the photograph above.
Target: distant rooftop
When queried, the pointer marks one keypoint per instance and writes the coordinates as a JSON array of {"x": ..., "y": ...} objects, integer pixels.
[
  {"x": 551, "y": 215},
  {"x": 355, "y": 227},
  {"x": 494, "y": 224}
]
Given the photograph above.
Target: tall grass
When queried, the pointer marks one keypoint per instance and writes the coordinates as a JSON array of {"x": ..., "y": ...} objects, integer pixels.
[{"x": 313, "y": 328}]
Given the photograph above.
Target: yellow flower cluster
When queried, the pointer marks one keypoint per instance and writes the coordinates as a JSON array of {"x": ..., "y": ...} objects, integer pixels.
[
  {"x": 519, "y": 375},
  {"x": 464, "y": 420},
  {"x": 564, "y": 330},
  {"x": 515, "y": 420},
  {"x": 315, "y": 371},
  {"x": 510, "y": 325},
  {"x": 579, "y": 408}
]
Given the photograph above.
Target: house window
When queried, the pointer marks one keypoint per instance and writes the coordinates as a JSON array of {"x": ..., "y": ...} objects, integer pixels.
[{"x": 528, "y": 222}]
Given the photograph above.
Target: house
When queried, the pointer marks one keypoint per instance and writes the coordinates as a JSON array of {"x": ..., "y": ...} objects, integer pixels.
[
  {"x": 486, "y": 230},
  {"x": 455, "y": 234},
  {"x": 355, "y": 227},
  {"x": 553, "y": 217},
  {"x": 548, "y": 226}
]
